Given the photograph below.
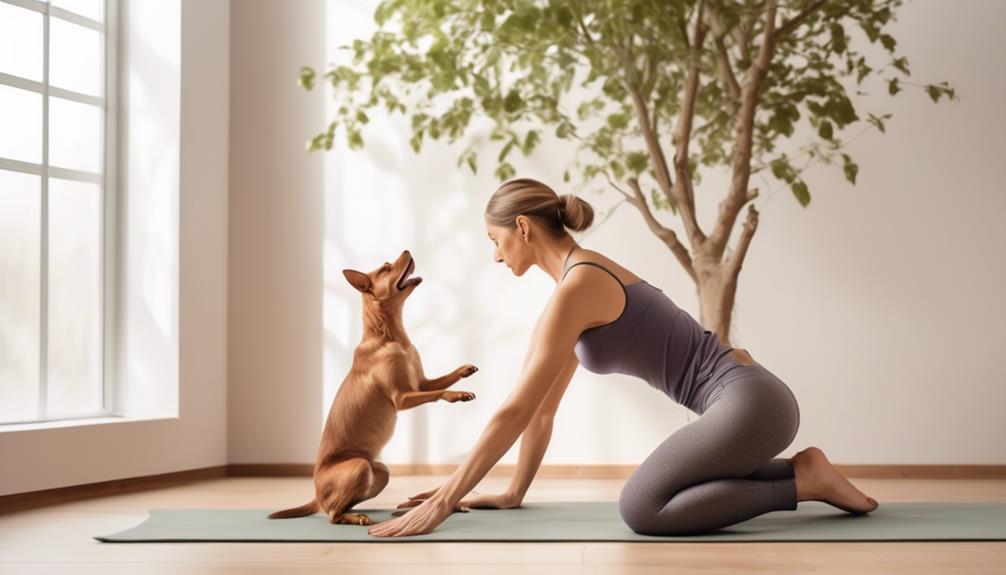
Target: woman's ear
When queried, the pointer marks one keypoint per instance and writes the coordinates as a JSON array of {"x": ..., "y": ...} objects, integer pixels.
[{"x": 523, "y": 227}]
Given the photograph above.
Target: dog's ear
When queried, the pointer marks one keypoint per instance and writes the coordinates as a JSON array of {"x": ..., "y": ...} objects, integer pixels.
[{"x": 359, "y": 280}]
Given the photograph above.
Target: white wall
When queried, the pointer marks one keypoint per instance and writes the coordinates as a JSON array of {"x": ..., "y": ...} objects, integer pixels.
[
  {"x": 275, "y": 233},
  {"x": 174, "y": 140},
  {"x": 879, "y": 304}
]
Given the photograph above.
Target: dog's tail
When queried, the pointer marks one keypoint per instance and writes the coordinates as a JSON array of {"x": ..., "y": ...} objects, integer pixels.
[{"x": 305, "y": 509}]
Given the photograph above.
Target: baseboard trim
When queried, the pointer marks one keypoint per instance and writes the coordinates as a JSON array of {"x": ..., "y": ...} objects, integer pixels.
[
  {"x": 46, "y": 497},
  {"x": 623, "y": 471},
  {"x": 55, "y": 496}
]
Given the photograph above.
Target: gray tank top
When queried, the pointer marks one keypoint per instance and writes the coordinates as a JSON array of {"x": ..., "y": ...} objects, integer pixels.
[{"x": 655, "y": 340}]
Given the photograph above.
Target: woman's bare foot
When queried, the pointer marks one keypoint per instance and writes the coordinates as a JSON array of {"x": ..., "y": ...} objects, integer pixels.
[{"x": 817, "y": 480}]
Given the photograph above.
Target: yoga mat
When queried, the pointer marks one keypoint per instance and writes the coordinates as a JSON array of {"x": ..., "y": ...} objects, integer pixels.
[{"x": 587, "y": 521}]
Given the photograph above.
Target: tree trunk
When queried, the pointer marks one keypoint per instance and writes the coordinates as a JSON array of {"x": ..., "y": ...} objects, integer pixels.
[
  {"x": 714, "y": 271},
  {"x": 716, "y": 288}
]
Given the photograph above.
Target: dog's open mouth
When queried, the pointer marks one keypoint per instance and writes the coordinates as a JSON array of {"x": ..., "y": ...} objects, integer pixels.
[{"x": 405, "y": 281}]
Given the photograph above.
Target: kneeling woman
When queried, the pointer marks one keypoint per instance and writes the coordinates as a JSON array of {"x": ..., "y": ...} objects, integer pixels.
[{"x": 716, "y": 471}]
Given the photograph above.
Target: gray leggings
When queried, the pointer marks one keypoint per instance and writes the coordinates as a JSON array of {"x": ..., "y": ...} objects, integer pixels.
[{"x": 719, "y": 469}]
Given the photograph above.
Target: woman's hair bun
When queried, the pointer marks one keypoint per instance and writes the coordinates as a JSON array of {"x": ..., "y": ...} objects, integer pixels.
[{"x": 576, "y": 213}]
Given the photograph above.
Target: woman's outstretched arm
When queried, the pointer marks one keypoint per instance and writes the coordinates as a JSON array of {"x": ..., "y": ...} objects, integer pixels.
[
  {"x": 570, "y": 311},
  {"x": 562, "y": 322}
]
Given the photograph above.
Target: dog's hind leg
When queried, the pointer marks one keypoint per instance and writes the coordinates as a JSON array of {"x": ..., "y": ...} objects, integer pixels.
[
  {"x": 347, "y": 483},
  {"x": 381, "y": 478}
]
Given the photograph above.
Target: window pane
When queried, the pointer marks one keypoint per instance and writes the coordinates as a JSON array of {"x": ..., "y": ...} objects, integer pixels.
[
  {"x": 20, "y": 42},
  {"x": 21, "y": 121},
  {"x": 74, "y": 57},
  {"x": 74, "y": 135},
  {"x": 74, "y": 330},
  {"x": 92, "y": 9},
  {"x": 20, "y": 291}
]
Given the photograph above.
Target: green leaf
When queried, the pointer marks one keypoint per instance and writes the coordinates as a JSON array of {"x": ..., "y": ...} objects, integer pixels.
[
  {"x": 355, "y": 139},
  {"x": 933, "y": 92},
  {"x": 306, "y": 77},
  {"x": 488, "y": 20},
  {"x": 782, "y": 170},
  {"x": 504, "y": 172},
  {"x": 506, "y": 150},
  {"x": 862, "y": 71},
  {"x": 851, "y": 168},
  {"x": 825, "y": 130},
  {"x": 901, "y": 64},
  {"x": 362, "y": 117},
  {"x": 879, "y": 123},
  {"x": 800, "y": 191},
  {"x": 888, "y": 41},
  {"x": 892, "y": 86},
  {"x": 636, "y": 162},
  {"x": 530, "y": 141},
  {"x": 513, "y": 102},
  {"x": 838, "y": 38}
]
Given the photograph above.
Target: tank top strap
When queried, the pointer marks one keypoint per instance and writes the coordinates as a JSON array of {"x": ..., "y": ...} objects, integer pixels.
[{"x": 595, "y": 265}]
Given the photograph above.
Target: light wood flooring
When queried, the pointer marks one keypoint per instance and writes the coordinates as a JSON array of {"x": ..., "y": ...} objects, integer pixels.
[{"x": 57, "y": 539}]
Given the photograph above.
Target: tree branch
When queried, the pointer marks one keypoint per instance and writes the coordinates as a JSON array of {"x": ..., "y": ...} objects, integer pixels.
[
  {"x": 657, "y": 158},
  {"x": 742, "y": 33},
  {"x": 790, "y": 25},
  {"x": 739, "y": 194},
  {"x": 730, "y": 86},
  {"x": 666, "y": 235},
  {"x": 733, "y": 266},
  {"x": 683, "y": 191}
]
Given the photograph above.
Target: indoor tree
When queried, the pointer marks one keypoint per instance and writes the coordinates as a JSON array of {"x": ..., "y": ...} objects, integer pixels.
[{"x": 651, "y": 91}]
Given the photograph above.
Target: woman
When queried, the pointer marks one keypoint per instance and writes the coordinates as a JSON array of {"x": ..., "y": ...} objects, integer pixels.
[{"x": 715, "y": 471}]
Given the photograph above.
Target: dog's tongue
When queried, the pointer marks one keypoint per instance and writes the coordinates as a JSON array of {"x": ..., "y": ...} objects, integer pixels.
[{"x": 412, "y": 281}]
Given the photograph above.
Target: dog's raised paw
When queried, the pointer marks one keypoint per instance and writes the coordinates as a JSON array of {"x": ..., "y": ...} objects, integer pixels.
[
  {"x": 468, "y": 370},
  {"x": 453, "y": 396}
]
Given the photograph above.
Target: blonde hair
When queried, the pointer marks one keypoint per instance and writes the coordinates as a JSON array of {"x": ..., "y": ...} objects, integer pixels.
[{"x": 534, "y": 199}]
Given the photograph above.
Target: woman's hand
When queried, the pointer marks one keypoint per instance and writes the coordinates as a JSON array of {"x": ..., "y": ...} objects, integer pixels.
[
  {"x": 504, "y": 500},
  {"x": 501, "y": 501},
  {"x": 417, "y": 521},
  {"x": 419, "y": 498}
]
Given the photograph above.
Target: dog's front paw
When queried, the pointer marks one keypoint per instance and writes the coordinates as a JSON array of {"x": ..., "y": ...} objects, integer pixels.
[
  {"x": 453, "y": 396},
  {"x": 467, "y": 370}
]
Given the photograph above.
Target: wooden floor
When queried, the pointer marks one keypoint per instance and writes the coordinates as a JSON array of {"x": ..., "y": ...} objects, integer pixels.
[{"x": 58, "y": 539}]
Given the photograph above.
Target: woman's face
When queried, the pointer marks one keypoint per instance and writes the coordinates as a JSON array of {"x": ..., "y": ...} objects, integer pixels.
[{"x": 509, "y": 247}]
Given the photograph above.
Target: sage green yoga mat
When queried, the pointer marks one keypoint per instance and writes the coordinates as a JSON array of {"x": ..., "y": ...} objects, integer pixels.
[{"x": 587, "y": 521}]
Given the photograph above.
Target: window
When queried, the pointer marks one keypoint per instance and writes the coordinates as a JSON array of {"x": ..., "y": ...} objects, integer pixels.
[{"x": 57, "y": 79}]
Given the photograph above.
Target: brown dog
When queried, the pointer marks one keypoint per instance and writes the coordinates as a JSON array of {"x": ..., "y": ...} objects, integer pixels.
[{"x": 386, "y": 377}]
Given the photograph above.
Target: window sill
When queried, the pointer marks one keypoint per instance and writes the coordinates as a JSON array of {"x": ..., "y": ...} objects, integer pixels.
[{"x": 83, "y": 422}]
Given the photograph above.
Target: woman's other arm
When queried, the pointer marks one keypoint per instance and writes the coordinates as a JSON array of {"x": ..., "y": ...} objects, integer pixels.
[
  {"x": 572, "y": 310},
  {"x": 538, "y": 433}
]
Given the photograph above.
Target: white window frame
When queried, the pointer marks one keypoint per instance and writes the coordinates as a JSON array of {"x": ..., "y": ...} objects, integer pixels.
[{"x": 108, "y": 101}]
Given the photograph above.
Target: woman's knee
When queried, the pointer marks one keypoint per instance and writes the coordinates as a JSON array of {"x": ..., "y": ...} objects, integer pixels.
[
  {"x": 649, "y": 519},
  {"x": 640, "y": 510}
]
